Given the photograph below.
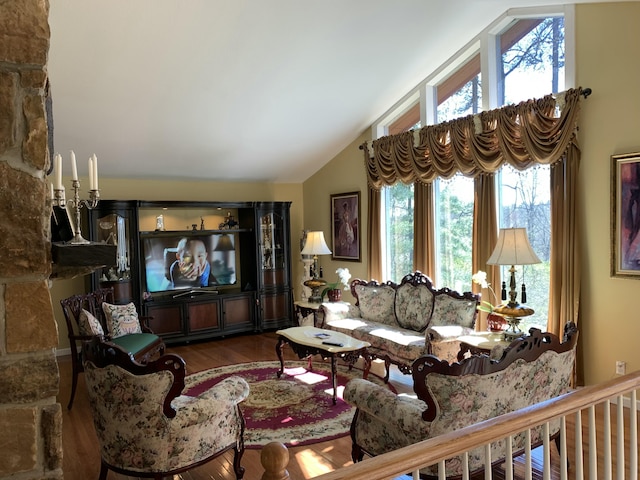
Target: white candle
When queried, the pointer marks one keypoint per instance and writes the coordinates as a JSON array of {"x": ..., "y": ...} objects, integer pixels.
[
  {"x": 53, "y": 197},
  {"x": 95, "y": 171},
  {"x": 74, "y": 167},
  {"x": 91, "y": 184},
  {"x": 57, "y": 166}
]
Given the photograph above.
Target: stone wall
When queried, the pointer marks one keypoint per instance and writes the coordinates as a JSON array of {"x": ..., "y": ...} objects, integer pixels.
[{"x": 30, "y": 417}]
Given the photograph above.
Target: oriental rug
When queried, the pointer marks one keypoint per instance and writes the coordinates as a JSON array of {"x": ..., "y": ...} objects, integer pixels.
[{"x": 295, "y": 409}]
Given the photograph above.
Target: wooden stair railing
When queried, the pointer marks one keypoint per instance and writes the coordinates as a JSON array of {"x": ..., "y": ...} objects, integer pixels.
[{"x": 436, "y": 450}]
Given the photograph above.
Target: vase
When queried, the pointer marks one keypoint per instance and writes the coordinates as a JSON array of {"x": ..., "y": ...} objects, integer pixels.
[
  {"x": 496, "y": 323},
  {"x": 334, "y": 295}
]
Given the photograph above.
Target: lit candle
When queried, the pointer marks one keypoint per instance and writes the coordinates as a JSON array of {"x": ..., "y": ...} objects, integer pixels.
[
  {"x": 74, "y": 167},
  {"x": 91, "y": 184},
  {"x": 57, "y": 166},
  {"x": 95, "y": 171}
]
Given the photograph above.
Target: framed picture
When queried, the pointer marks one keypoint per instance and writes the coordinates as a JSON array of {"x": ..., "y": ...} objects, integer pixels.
[
  {"x": 625, "y": 215},
  {"x": 345, "y": 226}
]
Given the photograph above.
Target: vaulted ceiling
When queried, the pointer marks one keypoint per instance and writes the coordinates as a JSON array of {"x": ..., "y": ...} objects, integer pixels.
[{"x": 240, "y": 90}]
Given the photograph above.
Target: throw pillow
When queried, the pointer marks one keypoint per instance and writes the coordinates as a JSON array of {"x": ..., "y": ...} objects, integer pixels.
[
  {"x": 88, "y": 324},
  {"x": 121, "y": 319},
  {"x": 453, "y": 311}
]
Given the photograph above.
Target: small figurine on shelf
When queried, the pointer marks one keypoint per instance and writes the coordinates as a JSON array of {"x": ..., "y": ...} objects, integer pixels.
[{"x": 201, "y": 223}]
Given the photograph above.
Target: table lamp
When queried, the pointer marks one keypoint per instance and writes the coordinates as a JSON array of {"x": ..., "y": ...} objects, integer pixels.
[
  {"x": 315, "y": 245},
  {"x": 513, "y": 248}
]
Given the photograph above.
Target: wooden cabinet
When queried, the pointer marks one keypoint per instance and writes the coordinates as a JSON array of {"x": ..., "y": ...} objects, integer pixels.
[
  {"x": 248, "y": 250},
  {"x": 274, "y": 265}
]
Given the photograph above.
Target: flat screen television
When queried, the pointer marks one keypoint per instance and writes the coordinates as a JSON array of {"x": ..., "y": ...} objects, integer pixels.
[{"x": 191, "y": 261}]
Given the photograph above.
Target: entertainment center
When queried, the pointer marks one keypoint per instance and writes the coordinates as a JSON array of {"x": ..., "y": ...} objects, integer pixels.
[{"x": 200, "y": 269}]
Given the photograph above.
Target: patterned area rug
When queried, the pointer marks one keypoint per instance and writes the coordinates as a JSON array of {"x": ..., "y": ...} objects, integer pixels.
[{"x": 296, "y": 409}]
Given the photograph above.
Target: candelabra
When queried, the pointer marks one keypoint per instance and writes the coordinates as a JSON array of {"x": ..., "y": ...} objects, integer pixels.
[{"x": 59, "y": 200}]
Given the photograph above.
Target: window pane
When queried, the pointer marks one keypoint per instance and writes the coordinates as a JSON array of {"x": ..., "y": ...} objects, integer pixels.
[
  {"x": 466, "y": 101},
  {"x": 532, "y": 59},
  {"x": 454, "y": 232},
  {"x": 525, "y": 202},
  {"x": 397, "y": 211}
]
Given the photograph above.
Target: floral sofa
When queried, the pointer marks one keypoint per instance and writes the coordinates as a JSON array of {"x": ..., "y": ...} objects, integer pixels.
[
  {"x": 405, "y": 321},
  {"x": 532, "y": 369}
]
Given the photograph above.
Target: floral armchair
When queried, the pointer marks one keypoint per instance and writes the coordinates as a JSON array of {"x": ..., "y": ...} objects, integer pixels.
[
  {"x": 146, "y": 427},
  {"x": 452, "y": 396}
]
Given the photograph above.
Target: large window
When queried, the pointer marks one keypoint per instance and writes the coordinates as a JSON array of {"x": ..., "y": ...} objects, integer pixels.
[{"x": 529, "y": 60}]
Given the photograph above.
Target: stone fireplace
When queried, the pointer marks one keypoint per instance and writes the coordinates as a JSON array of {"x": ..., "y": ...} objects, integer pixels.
[{"x": 30, "y": 417}]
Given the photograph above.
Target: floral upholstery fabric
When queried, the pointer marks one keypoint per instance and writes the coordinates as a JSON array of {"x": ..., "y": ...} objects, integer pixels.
[
  {"x": 452, "y": 311},
  {"x": 397, "y": 321},
  {"x": 391, "y": 419},
  {"x": 413, "y": 306},
  {"x": 377, "y": 303},
  {"x": 135, "y": 434},
  {"x": 121, "y": 319},
  {"x": 88, "y": 324},
  {"x": 400, "y": 345},
  {"x": 460, "y": 401}
]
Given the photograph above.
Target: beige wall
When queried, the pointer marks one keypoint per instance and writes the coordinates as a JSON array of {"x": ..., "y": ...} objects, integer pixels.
[
  {"x": 607, "y": 46},
  {"x": 345, "y": 173},
  {"x": 127, "y": 189}
]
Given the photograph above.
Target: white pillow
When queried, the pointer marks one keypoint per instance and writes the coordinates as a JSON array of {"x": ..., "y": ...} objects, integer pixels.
[
  {"x": 88, "y": 324},
  {"x": 121, "y": 319}
]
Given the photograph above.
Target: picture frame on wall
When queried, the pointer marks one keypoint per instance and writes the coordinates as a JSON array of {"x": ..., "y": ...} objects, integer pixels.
[
  {"x": 345, "y": 226},
  {"x": 625, "y": 215}
]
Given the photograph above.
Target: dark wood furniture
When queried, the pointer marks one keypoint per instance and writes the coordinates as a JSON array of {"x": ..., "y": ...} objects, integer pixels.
[
  {"x": 308, "y": 341},
  {"x": 124, "y": 420},
  {"x": 147, "y": 346},
  {"x": 261, "y": 299}
]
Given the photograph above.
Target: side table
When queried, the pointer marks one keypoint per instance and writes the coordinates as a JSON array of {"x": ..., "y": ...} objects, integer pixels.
[
  {"x": 303, "y": 310},
  {"x": 481, "y": 343}
]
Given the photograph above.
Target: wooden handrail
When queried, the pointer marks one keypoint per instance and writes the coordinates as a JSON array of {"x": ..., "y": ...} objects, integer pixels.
[{"x": 430, "y": 452}]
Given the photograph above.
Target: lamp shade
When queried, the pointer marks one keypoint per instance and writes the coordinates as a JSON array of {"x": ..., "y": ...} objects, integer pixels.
[
  {"x": 315, "y": 244},
  {"x": 224, "y": 244},
  {"x": 513, "y": 248}
]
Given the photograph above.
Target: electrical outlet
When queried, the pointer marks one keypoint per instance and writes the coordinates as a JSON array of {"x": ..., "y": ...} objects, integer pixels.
[{"x": 621, "y": 367}]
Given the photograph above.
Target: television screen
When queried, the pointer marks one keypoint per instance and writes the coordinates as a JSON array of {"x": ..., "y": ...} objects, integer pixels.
[{"x": 177, "y": 261}]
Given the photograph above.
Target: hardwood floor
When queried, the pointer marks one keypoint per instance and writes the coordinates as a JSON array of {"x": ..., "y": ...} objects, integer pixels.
[{"x": 82, "y": 458}]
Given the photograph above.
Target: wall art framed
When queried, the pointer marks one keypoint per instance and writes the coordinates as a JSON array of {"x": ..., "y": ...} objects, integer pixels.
[
  {"x": 345, "y": 226},
  {"x": 625, "y": 215}
]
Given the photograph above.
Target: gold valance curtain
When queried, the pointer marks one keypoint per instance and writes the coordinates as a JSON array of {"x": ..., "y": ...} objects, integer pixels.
[
  {"x": 539, "y": 131},
  {"x": 520, "y": 135}
]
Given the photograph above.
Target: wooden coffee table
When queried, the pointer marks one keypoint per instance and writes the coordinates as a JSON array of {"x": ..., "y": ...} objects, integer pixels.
[{"x": 308, "y": 341}]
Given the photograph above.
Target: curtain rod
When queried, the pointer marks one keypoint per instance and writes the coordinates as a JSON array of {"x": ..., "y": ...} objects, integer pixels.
[{"x": 585, "y": 93}]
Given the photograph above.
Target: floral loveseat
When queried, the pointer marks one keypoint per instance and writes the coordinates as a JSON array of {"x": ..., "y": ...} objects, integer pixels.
[
  {"x": 406, "y": 321},
  {"x": 532, "y": 369}
]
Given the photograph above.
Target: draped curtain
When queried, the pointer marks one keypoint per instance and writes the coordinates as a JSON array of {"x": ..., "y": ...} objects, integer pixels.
[{"x": 538, "y": 131}]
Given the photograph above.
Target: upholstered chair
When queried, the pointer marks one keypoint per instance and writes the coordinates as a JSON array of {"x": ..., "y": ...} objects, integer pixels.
[
  {"x": 146, "y": 427},
  {"x": 94, "y": 314}
]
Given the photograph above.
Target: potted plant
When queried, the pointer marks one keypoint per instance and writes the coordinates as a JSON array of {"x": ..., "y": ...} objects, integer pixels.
[
  {"x": 495, "y": 322},
  {"x": 332, "y": 290}
]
